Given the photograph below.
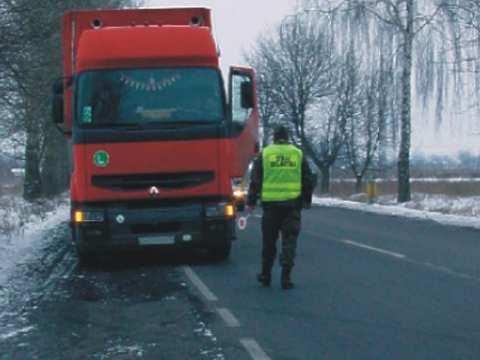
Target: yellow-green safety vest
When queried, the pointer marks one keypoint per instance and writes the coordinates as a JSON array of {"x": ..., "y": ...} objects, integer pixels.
[{"x": 282, "y": 172}]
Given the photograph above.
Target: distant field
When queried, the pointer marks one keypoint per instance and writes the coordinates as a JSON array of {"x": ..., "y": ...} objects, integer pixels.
[
  {"x": 11, "y": 189},
  {"x": 455, "y": 196},
  {"x": 458, "y": 187}
]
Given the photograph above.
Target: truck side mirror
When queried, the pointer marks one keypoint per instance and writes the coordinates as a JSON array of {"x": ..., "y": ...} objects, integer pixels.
[
  {"x": 246, "y": 89},
  {"x": 57, "y": 101}
]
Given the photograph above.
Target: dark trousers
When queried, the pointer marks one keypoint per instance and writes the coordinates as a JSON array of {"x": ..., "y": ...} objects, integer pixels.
[{"x": 285, "y": 221}]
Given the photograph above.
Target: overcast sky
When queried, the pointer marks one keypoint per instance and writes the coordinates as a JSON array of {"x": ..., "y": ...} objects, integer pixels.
[{"x": 237, "y": 23}]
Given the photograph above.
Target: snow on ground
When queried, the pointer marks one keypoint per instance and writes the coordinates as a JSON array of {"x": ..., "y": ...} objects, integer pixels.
[
  {"x": 453, "y": 205},
  {"x": 442, "y": 209},
  {"x": 418, "y": 180},
  {"x": 13, "y": 145},
  {"x": 23, "y": 225}
]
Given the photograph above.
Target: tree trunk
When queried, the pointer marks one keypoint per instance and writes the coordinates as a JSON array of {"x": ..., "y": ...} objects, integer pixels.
[
  {"x": 265, "y": 136},
  {"x": 358, "y": 184},
  {"x": 404, "y": 151},
  {"x": 325, "y": 182},
  {"x": 55, "y": 169},
  {"x": 266, "y": 126},
  {"x": 32, "y": 187}
]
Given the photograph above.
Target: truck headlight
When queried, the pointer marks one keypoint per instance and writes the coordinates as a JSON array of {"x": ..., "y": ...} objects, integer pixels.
[
  {"x": 82, "y": 216},
  {"x": 238, "y": 189}
]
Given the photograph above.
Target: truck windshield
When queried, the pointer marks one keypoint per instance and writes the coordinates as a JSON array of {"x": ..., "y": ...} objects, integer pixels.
[{"x": 149, "y": 96}]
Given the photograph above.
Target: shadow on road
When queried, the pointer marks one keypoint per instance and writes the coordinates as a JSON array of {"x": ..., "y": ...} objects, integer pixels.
[{"x": 151, "y": 258}]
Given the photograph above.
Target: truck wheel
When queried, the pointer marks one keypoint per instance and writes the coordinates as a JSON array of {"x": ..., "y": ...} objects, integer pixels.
[{"x": 220, "y": 251}]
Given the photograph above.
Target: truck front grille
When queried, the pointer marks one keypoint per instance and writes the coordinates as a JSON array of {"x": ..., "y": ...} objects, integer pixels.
[{"x": 133, "y": 182}]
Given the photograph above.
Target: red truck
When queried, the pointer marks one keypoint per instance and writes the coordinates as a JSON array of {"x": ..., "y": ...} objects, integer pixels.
[{"x": 160, "y": 148}]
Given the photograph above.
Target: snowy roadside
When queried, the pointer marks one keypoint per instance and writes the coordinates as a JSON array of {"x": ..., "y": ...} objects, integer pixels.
[
  {"x": 23, "y": 227},
  {"x": 418, "y": 179},
  {"x": 423, "y": 206}
]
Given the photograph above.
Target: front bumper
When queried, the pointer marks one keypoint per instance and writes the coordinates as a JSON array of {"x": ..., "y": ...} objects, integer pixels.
[{"x": 125, "y": 227}]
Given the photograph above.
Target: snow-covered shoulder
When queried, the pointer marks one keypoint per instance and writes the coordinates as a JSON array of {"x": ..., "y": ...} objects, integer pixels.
[
  {"x": 24, "y": 227},
  {"x": 400, "y": 210}
]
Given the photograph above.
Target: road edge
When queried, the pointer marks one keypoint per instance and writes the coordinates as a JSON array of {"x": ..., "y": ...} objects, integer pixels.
[{"x": 399, "y": 211}]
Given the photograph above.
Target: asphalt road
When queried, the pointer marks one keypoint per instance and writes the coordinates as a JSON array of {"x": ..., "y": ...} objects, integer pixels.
[{"x": 367, "y": 287}]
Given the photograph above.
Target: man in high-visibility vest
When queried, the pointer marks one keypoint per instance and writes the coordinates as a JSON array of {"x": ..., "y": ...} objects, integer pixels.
[{"x": 282, "y": 179}]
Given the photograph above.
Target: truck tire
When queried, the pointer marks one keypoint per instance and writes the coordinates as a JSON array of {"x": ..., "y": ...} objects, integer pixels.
[
  {"x": 84, "y": 256},
  {"x": 220, "y": 251}
]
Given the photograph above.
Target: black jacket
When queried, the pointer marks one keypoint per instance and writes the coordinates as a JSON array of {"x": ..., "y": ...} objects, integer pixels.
[{"x": 256, "y": 180}]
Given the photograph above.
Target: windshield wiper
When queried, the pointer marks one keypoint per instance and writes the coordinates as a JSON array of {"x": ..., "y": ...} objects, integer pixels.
[
  {"x": 151, "y": 125},
  {"x": 117, "y": 126},
  {"x": 180, "y": 123}
]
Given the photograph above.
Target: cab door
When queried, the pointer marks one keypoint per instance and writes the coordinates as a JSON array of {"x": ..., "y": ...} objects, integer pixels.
[{"x": 243, "y": 108}]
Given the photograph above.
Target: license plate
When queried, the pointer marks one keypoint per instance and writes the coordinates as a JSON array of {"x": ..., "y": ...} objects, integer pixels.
[{"x": 157, "y": 240}]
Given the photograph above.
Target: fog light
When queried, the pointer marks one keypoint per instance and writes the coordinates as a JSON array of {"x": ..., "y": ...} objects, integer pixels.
[{"x": 187, "y": 237}]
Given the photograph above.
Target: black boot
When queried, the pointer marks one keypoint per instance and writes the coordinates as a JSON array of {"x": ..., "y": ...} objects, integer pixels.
[
  {"x": 265, "y": 277},
  {"x": 286, "y": 281}
]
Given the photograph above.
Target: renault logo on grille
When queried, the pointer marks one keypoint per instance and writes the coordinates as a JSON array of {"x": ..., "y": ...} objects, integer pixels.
[{"x": 153, "y": 191}]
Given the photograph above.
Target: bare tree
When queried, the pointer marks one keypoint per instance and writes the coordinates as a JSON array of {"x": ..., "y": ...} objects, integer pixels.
[
  {"x": 313, "y": 84},
  {"x": 405, "y": 18},
  {"x": 363, "y": 128},
  {"x": 400, "y": 15},
  {"x": 297, "y": 66},
  {"x": 464, "y": 13},
  {"x": 326, "y": 130},
  {"x": 266, "y": 87},
  {"x": 30, "y": 60},
  {"x": 462, "y": 19},
  {"x": 299, "y": 60}
]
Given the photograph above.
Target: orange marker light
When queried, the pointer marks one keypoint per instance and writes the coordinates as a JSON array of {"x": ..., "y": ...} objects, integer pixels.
[
  {"x": 229, "y": 210},
  {"x": 78, "y": 216}
]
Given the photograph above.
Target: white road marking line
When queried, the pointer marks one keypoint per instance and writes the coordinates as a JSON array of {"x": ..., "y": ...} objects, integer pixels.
[
  {"x": 204, "y": 290},
  {"x": 445, "y": 270},
  {"x": 254, "y": 349},
  {"x": 381, "y": 251},
  {"x": 438, "y": 268},
  {"x": 228, "y": 317}
]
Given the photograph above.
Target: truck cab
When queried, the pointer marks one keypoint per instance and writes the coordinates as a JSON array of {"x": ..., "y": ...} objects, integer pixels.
[{"x": 160, "y": 147}]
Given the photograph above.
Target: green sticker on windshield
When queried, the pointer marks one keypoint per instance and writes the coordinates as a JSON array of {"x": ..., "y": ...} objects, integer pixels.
[
  {"x": 101, "y": 158},
  {"x": 87, "y": 114}
]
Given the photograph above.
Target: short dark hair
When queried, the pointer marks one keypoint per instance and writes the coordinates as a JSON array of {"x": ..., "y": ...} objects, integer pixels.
[{"x": 280, "y": 133}]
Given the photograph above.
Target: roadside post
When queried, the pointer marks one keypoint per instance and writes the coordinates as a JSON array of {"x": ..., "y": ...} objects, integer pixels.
[{"x": 372, "y": 190}]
